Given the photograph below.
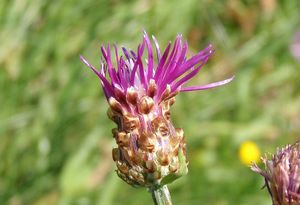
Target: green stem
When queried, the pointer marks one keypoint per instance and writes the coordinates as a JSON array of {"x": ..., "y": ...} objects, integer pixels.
[{"x": 161, "y": 195}]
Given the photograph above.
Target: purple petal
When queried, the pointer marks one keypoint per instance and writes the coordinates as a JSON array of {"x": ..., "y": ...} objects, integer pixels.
[
  {"x": 189, "y": 75},
  {"x": 122, "y": 74},
  {"x": 117, "y": 57},
  {"x": 162, "y": 62},
  {"x": 141, "y": 67},
  {"x": 194, "y": 60},
  {"x": 160, "y": 81},
  {"x": 133, "y": 71},
  {"x": 208, "y": 86},
  {"x": 180, "y": 60},
  {"x": 138, "y": 63},
  {"x": 157, "y": 48},
  {"x": 134, "y": 56},
  {"x": 150, "y": 57},
  {"x": 175, "y": 50},
  {"x": 126, "y": 53},
  {"x": 174, "y": 59},
  {"x": 105, "y": 84},
  {"x": 111, "y": 69}
]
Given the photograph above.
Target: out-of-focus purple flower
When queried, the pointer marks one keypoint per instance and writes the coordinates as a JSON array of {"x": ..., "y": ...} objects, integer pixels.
[
  {"x": 295, "y": 45},
  {"x": 140, "y": 90},
  {"x": 282, "y": 175}
]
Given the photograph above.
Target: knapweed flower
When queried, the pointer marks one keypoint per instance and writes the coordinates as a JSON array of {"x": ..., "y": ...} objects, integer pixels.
[
  {"x": 140, "y": 91},
  {"x": 282, "y": 175}
]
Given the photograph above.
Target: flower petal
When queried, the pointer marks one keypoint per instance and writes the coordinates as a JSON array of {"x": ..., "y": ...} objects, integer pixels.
[{"x": 208, "y": 86}]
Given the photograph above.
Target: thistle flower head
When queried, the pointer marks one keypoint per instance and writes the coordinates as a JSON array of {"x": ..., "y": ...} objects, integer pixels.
[
  {"x": 151, "y": 151},
  {"x": 282, "y": 175}
]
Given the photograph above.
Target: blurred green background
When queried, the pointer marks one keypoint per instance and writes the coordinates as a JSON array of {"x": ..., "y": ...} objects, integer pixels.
[{"x": 55, "y": 138}]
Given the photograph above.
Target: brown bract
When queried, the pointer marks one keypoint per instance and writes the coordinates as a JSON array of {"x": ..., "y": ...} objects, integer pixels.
[{"x": 148, "y": 143}]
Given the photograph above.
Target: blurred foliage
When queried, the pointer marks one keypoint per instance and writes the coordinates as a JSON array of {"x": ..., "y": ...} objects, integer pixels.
[{"x": 55, "y": 138}]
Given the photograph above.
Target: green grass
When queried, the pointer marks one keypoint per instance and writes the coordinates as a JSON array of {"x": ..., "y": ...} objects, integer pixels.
[{"x": 55, "y": 138}]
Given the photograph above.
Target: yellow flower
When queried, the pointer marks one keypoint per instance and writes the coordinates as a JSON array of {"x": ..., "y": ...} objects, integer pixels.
[{"x": 249, "y": 153}]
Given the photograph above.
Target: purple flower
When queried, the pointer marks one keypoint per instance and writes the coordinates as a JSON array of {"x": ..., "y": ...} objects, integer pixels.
[
  {"x": 168, "y": 74},
  {"x": 295, "y": 45},
  {"x": 140, "y": 92},
  {"x": 282, "y": 175}
]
